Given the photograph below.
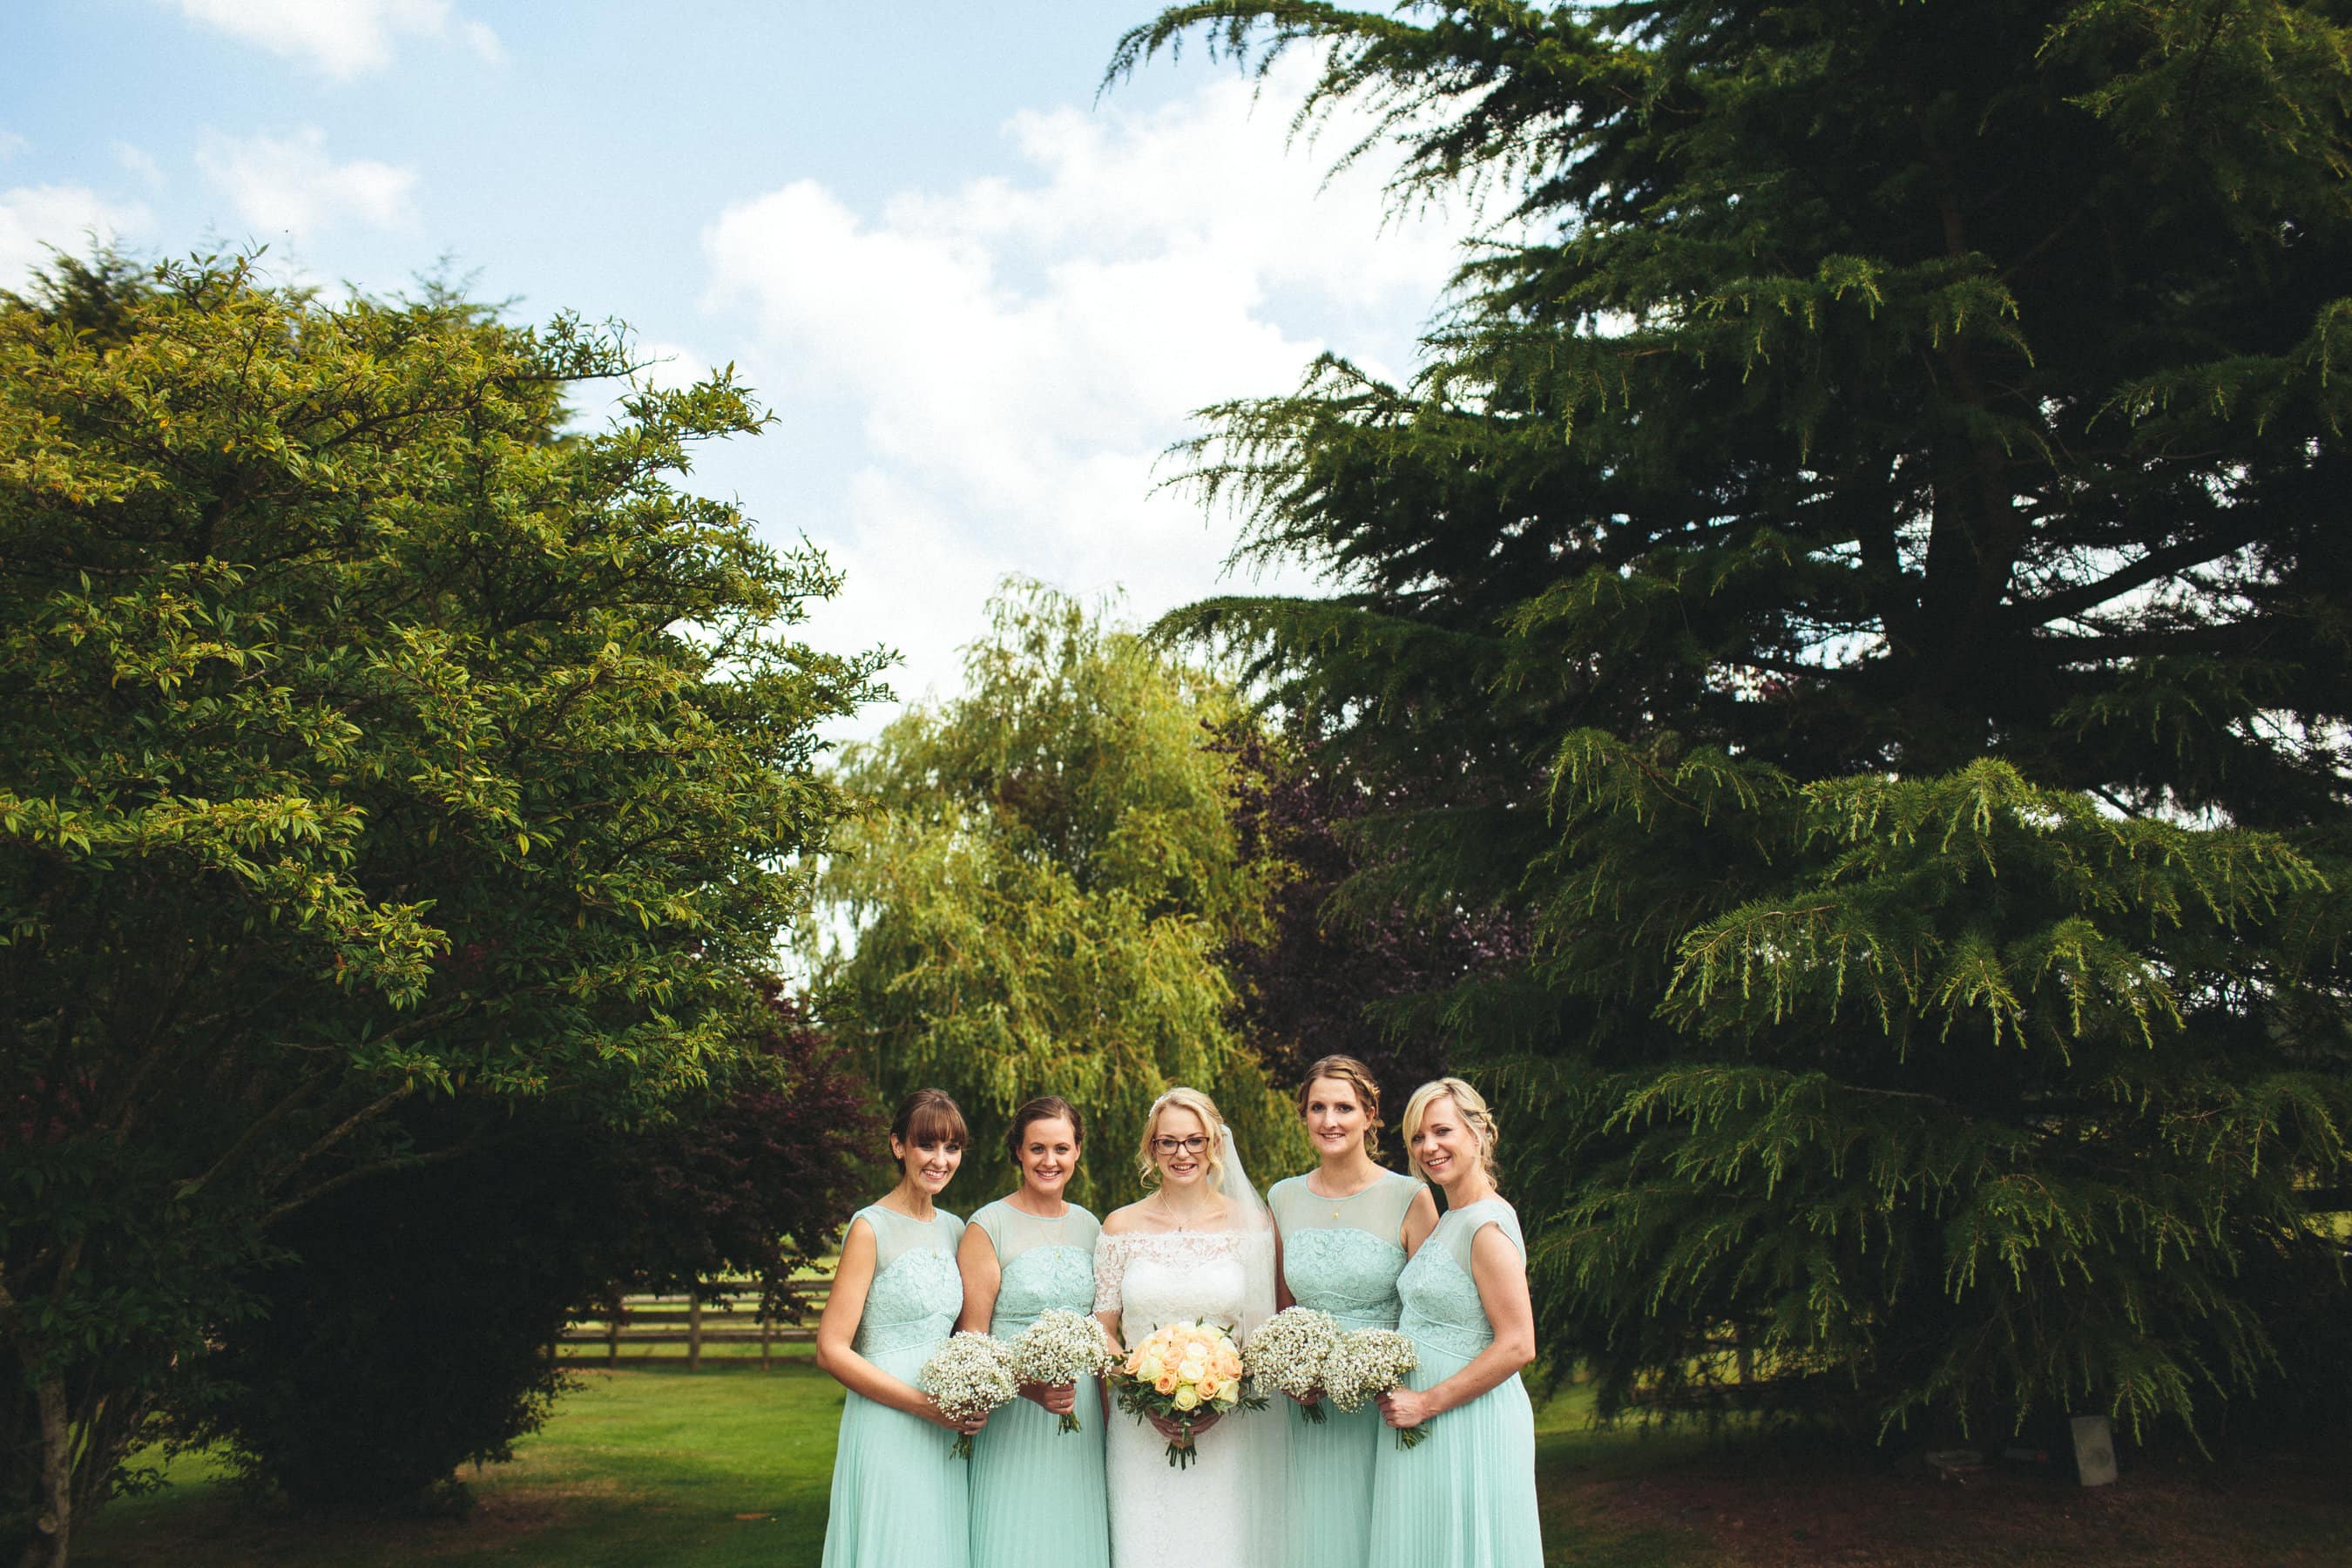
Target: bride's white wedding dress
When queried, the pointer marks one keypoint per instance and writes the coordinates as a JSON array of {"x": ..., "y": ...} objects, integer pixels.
[{"x": 1224, "y": 1509}]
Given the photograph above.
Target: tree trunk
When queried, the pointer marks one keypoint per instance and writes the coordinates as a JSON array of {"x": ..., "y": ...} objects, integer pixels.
[{"x": 53, "y": 1531}]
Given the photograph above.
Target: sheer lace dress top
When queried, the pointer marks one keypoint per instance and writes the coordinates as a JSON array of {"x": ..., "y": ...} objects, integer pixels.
[
  {"x": 1441, "y": 1298},
  {"x": 1046, "y": 1263},
  {"x": 1179, "y": 1275},
  {"x": 1342, "y": 1256},
  {"x": 916, "y": 1292}
]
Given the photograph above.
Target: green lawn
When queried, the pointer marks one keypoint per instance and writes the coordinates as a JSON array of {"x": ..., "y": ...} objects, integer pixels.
[
  {"x": 654, "y": 1469},
  {"x": 638, "y": 1468}
]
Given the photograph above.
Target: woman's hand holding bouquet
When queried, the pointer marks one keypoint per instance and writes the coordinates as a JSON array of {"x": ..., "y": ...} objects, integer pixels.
[
  {"x": 1180, "y": 1376},
  {"x": 967, "y": 1377},
  {"x": 1055, "y": 1352},
  {"x": 1372, "y": 1363},
  {"x": 1289, "y": 1354}
]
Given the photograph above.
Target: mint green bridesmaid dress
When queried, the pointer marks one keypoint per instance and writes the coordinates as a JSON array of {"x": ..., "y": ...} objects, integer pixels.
[
  {"x": 899, "y": 1498},
  {"x": 1037, "y": 1493},
  {"x": 1340, "y": 1256},
  {"x": 1467, "y": 1497}
]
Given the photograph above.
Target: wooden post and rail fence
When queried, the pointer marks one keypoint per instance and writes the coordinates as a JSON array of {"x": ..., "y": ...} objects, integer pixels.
[{"x": 644, "y": 1326}]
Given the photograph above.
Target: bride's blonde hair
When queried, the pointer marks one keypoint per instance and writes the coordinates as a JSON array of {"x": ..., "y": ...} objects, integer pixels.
[{"x": 1212, "y": 1123}]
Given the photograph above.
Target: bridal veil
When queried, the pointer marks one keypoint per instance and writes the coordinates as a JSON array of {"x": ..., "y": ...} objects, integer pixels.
[{"x": 1264, "y": 1436}]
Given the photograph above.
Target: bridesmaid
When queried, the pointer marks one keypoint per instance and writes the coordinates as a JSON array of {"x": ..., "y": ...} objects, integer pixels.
[
  {"x": 1347, "y": 1227},
  {"x": 1467, "y": 1497},
  {"x": 898, "y": 1496},
  {"x": 1037, "y": 1492}
]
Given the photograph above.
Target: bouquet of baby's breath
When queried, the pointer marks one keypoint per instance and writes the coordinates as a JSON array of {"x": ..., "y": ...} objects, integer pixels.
[
  {"x": 1061, "y": 1346},
  {"x": 1367, "y": 1363},
  {"x": 968, "y": 1375},
  {"x": 1288, "y": 1354}
]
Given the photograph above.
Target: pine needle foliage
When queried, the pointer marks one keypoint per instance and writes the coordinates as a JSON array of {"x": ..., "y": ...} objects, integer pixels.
[{"x": 1859, "y": 573}]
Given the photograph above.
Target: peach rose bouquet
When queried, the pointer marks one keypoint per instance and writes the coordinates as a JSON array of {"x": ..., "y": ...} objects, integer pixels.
[{"x": 1182, "y": 1372}]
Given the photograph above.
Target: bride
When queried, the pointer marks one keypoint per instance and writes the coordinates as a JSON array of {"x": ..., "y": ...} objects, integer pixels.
[{"x": 1201, "y": 1247}]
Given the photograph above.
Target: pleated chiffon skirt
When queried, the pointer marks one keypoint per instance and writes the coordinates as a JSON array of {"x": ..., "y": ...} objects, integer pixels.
[
  {"x": 1038, "y": 1499},
  {"x": 1465, "y": 1497},
  {"x": 899, "y": 1498},
  {"x": 1331, "y": 1523}
]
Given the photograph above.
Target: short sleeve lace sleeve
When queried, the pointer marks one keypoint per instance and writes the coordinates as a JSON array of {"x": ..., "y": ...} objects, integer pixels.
[{"x": 1111, "y": 1272}]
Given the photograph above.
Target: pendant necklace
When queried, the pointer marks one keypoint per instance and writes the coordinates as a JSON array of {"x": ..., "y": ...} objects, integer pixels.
[{"x": 1335, "y": 1202}]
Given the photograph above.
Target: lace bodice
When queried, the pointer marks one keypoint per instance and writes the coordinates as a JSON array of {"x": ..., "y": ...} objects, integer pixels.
[
  {"x": 1044, "y": 1263},
  {"x": 1179, "y": 1276},
  {"x": 1342, "y": 1256},
  {"x": 916, "y": 1292},
  {"x": 1441, "y": 1298}
]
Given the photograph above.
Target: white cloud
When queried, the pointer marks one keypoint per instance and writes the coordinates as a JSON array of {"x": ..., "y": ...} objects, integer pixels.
[
  {"x": 11, "y": 144},
  {"x": 289, "y": 186},
  {"x": 1018, "y": 352},
  {"x": 135, "y": 159},
  {"x": 341, "y": 37},
  {"x": 669, "y": 367},
  {"x": 33, "y": 218}
]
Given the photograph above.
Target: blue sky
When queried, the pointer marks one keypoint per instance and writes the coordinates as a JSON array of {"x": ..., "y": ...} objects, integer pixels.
[{"x": 981, "y": 302}]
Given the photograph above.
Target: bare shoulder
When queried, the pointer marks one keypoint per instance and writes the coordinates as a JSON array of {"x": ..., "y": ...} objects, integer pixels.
[{"x": 1123, "y": 1221}]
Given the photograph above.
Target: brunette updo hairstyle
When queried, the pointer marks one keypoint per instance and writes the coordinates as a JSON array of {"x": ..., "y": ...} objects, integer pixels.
[
  {"x": 1044, "y": 1108},
  {"x": 928, "y": 1117},
  {"x": 1356, "y": 1075}
]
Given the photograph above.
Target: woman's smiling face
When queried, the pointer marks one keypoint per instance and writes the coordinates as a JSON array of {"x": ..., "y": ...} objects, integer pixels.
[
  {"x": 1336, "y": 1117},
  {"x": 1048, "y": 1155},
  {"x": 1180, "y": 1147},
  {"x": 1444, "y": 1145},
  {"x": 929, "y": 1166}
]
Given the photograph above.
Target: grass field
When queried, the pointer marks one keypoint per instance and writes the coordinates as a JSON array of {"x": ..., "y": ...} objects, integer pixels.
[{"x": 654, "y": 1469}]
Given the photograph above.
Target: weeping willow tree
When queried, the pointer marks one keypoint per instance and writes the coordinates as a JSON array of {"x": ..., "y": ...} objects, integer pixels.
[
  {"x": 1036, "y": 900},
  {"x": 1860, "y": 577}
]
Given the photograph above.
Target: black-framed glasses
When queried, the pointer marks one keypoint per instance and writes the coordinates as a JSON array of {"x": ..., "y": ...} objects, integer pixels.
[{"x": 1195, "y": 1144}]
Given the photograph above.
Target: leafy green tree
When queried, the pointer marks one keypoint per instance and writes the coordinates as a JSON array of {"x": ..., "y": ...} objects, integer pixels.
[
  {"x": 406, "y": 1333},
  {"x": 366, "y": 737},
  {"x": 1859, "y": 573},
  {"x": 1035, "y": 900}
]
